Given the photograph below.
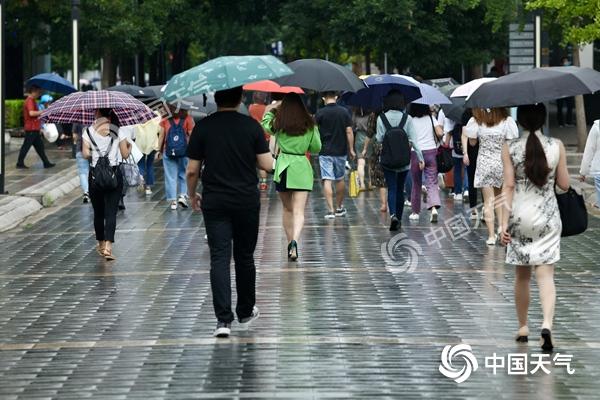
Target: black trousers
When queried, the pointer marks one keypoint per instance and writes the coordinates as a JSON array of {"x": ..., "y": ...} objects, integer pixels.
[
  {"x": 569, "y": 102},
  {"x": 106, "y": 205},
  {"x": 32, "y": 138},
  {"x": 240, "y": 227},
  {"x": 472, "y": 152}
]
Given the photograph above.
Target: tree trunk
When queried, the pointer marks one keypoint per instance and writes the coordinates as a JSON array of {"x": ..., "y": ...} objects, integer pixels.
[
  {"x": 109, "y": 69},
  {"x": 579, "y": 109}
]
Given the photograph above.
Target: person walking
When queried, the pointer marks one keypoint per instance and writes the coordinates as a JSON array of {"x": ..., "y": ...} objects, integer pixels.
[
  {"x": 362, "y": 147},
  {"x": 335, "y": 127},
  {"x": 461, "y": 180},
  {"x": 427, "y": 133},
  {"x": 565, "y": 102},
  {"x": 32, "y": 127},
  {"x": 173, "y": 137},
  {"x": 470, "y": 161},
  {"x": 227, "y": 146},
  {"x": 395, "y": 117},
  {"x": 531, "y": 224},
  {"x": 147, "y": 141},
  {"x": 296, "y": 134},
  {"x": 590, "y": 164},
  {"x": 492, "y": 128},
  {"x": 83, "y": 164},
  {"x": 257, "y": 111},
  {"x": 376, "y": 174},
  {"x": 103, "y": 141}
]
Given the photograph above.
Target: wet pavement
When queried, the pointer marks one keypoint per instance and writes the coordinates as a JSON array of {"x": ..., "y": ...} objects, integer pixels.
[{"x": 363, "y": 314}]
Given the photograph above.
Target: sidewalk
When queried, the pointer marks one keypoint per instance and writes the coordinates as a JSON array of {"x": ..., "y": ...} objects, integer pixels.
[{"x": 29, "y": 190}]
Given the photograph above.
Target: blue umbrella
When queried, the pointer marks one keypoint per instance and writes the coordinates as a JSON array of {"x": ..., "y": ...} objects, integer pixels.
[
  {"x": 379, "y": 86},
  {"x": 51, "y": 82},
  {"x": 431, "y": 95}
]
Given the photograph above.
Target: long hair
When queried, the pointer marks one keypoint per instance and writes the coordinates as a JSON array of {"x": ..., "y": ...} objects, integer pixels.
[
  {"x": 292, "y": 116},
  {"x": 491, "y": 117},
  {"x": 532, "y": 118},
  {"x": 416, "y": 110}
]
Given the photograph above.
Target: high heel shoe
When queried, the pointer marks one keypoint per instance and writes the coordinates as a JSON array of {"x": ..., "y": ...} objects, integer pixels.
[
  {"x": 293, "y": 250},
  {"x": 522, "y": 335},
  {"x": 546, "y": 340},
  {"x": 289, "y": 250}
]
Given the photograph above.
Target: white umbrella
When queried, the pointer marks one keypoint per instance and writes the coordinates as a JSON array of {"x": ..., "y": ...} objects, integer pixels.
[{"x": 468, "y": 88}]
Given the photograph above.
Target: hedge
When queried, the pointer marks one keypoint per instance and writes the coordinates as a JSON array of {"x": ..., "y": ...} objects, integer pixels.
[{"x": 13, "y": 113}]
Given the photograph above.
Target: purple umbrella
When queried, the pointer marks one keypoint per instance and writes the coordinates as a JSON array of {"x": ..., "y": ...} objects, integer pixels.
[{"x": 81, "y": 108}]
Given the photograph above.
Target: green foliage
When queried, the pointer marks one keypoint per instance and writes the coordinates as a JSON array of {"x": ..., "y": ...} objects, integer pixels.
[{"x": 13, "y": 113}]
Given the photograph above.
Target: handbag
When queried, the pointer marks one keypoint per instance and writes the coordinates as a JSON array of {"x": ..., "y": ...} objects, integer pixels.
[
  {"x": 573, "y": 212},
  {"x": 131, "y": 173},
  {"x": 443, "y": 157}
]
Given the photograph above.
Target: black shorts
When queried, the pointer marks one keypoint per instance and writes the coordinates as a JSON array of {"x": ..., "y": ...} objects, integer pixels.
[{"x": 281, "y": 186}]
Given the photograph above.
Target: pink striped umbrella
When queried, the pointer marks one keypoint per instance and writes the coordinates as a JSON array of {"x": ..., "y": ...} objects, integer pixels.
[{"x": 80, "y": 107}]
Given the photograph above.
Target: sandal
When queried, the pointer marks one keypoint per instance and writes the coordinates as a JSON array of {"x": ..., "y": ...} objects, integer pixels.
[
  {"x": 100, "y": 249},
  {"x": 109, "y": 255}
]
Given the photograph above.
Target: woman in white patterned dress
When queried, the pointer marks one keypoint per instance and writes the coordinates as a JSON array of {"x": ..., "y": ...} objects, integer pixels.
[
  {"x": 492, "y": 128},
  {"x": 531, "y": 225}
]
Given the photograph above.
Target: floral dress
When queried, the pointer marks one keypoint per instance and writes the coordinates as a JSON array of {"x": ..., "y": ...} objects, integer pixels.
[
  {"x": 375, "y": 170},
  {"x": 534, "y": 224}
]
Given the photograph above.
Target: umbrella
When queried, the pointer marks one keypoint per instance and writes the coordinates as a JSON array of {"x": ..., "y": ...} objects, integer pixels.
[
  {"x": 379, "y": 86},
  {"x": 224, "y": 73},
  {"x": 468, "y": 88},
  {"x": 198, "y": 104},
  {"x": 134, "y": 90},
  {"x": 536, "y": 86},
  {"x": 156, "y": 91},
  {"x": 456, "y": 109},
  {"x": 322, "y": 76},
  {"x": 80, "y": 107},
  {"x": 429, "y": 94},
  {"x": 271, "y": 87},
  {"x": 51, "y": 82}
]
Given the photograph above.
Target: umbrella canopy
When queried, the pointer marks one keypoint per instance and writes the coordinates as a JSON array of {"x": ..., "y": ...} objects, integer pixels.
[
  {"x": 429, "y": 94},
  {"x": 455, "y": 110},
  {"x": 134, "y": 90},
  {"x": 155, "y": 91},
  {"x": 322, "y": 76},
  {"x": 80, "y": 107},
  {"x": 224, "y": 73},
  {"x": 468, "y": 88},
  {"x": 379, "y": 86},
  {"x": 271, "y": 87},
  {"x": 536, "y": 86},
  {"x": 198, "y": 104},
  {"x": 51, "y": 82}
]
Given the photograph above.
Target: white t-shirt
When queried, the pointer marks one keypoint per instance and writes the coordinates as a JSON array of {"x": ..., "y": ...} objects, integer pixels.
[
  {"x": 424, "y": 132},
  {"x": 508, "y": 128},
  {"x": 103, "y": 143}
]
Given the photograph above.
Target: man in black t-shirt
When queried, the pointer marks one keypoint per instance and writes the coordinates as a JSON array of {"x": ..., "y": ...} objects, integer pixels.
[
  {"x": 335, "y": 127},
  {"x": 227, "y": 147}
]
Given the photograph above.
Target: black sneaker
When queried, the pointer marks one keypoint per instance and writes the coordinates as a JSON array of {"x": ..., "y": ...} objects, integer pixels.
[
  {"x": 86, "y": 198},
  {"x": 245, "y": 322},
  {"x": 394, "y": 224},
  {"x": 22, "y": 166},
  {"x": 340, "y": 212},
  {"x": 223, "y": 330},
  {"x": 49, "y": 165}
]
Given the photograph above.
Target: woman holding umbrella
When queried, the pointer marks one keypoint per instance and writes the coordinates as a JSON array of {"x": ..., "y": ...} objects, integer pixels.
[
  {"x": 296, "y": 134},
  {"x": 102, "y": 140}
]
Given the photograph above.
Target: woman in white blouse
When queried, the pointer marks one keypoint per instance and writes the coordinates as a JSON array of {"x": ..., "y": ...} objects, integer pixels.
[
  {"x": 491, "y": 127},
  {"x": 590, "y": 164}
]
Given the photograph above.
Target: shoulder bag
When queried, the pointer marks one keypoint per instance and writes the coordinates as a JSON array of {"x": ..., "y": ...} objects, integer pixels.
[
  {"x": 443, "y": 157},
  {"x": 573, "y": 212}
]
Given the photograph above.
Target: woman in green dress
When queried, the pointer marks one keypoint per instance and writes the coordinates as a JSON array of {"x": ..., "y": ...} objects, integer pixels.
[{"x": 296, "y": 134}]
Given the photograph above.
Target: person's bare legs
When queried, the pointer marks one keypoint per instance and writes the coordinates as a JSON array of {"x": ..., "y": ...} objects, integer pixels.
[
  {"x": 360, "y": 169},
  {"x": 488, "y": 202},
  {"x": 298, "y": 206},
  {"x": 383, "y": 199},
  {"x": 340, "y": 192},
  {"x": 499, "y": 204},
  {"x": 522, "y": 281},
  {"x": 328, "y": 192},
  {"x": 287, "y": 217},
  {"x": 544, "y": 275}
]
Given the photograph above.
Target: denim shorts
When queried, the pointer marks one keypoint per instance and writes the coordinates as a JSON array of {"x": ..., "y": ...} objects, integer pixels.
[{"x": 333, "y": 168}]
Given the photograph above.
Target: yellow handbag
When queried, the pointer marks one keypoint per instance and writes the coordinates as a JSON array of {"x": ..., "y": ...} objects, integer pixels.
[{"x": 354, "y": 189}]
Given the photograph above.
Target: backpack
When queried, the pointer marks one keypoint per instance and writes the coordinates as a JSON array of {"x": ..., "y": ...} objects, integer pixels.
[
  {"x": 176, "y": 141},
  {"x": 395, "y": 148},
  {"x": 456, "y": 139},
  {"x": 103, "y": 175}
]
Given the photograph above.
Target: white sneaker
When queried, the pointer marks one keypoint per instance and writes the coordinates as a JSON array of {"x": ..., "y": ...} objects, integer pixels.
[
  {"x": 452, "y": 194},
  {"x": 413, "y": 217},
  {"x": 173, "y": 205},
  {"x": 183, "y": 201},
  {"x": 148, "y": 191},
  {"x": 407, "y": 203},
  {"x": 223, "y": 330},
  {"x": 434, "y": 215},
  {"x": 474, "y": 215},
  {"x": 466, "y": 193},
  {"x": 458, "y": 197},
  {"x": 244, "y": 323},
  {"x": 423, "y": 189}
]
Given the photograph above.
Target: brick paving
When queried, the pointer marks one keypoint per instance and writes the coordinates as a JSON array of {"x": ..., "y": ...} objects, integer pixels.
[{"x": 347, "y": 321}]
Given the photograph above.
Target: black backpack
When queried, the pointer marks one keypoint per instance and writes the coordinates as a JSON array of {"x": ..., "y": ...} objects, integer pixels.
[
  {"x": 395, "y": 148},
  {"x": 104, "y": 176},
  {"x": 456, "y": 139}
]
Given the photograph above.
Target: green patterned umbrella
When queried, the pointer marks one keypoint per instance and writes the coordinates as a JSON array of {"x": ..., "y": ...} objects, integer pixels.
[{"x": 224, "y": 73}]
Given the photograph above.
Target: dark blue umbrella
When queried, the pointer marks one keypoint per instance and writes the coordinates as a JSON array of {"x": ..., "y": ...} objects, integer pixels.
[
  {"x": 379, "y": 86},
  {"x": 51, "y": 82}
]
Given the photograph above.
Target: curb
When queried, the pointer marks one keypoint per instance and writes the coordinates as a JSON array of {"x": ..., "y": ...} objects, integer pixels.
[
  {"x": 14, "y": 209},
  {"x": 49, "y": 190}
]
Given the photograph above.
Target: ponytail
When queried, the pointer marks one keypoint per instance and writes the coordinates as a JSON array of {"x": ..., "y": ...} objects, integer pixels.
[{"x": 536, "y": 163}]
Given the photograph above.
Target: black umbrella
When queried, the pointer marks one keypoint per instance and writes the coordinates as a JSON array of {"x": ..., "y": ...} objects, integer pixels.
[
  {"x": 155, "y": 91},
  {"x": 455, "y": 110},
  {"x": 535, "y": 86},
  {"x": 322, "y": 76},
  {"x": 135, "y": 91}
]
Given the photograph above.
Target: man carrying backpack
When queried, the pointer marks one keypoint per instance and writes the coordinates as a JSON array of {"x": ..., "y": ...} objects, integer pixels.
[
  {"x": 335, "y": 126},
  {"x": 396, "y": 133},
  {"x": 174, "y": 135}
]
